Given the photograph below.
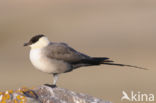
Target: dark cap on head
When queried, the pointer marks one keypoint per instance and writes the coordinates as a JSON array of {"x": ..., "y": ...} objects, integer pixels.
[{"x": 34, "y": 39}]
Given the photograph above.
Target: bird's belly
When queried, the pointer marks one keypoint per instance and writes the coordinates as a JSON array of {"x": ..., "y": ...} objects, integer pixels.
[{"x": 45, "y": 64}]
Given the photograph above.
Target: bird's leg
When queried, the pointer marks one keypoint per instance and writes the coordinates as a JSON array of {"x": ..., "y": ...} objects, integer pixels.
[{"x": 55, "y": 77}]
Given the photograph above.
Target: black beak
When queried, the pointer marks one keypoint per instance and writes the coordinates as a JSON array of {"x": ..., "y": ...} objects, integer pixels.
[{"x": 27, "y": 44}]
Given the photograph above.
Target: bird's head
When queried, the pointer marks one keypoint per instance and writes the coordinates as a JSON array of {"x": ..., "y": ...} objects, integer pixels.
[{"x": 37, "y": 41}]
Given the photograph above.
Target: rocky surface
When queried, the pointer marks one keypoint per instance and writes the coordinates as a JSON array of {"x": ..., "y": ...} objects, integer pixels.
[{"x": 45, "y": 94}]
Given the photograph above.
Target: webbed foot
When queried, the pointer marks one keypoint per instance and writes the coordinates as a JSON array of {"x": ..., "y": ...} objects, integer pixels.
[{"x": 49, "y": 85}]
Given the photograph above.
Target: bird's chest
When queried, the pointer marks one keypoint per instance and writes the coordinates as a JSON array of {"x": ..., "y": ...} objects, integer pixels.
[
  {"x": 39, "y": 60},
  {"x": 45, "y": 64},
  {"x": 36, "y": 57}
]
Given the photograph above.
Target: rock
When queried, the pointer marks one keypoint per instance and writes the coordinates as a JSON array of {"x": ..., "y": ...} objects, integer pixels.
[{"x": 45, "y": 94}]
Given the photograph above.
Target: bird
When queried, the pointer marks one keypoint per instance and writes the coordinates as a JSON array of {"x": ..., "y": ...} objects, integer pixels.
[{"x": 58, "y": 57}]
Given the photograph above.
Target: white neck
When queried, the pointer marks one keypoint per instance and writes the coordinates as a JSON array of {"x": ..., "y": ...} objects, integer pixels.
[{"x": 41, "y": 43}]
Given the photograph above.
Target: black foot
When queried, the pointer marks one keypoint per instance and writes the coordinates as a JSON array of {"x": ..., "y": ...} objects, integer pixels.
[{"x": 52, "y": 86}]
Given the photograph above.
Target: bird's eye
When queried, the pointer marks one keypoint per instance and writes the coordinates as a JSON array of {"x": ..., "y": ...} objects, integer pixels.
[
  {"x": 36, "y": 38},
  {"x": 33, "y": 40}
]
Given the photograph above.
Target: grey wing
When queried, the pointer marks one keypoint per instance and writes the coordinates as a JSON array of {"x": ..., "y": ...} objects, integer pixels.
[{"x": 62, "y": 51}]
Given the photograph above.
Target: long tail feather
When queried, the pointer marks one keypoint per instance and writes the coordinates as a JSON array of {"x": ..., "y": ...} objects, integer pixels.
[
  {"x": 124, "y": 65},
  {"x": 104, "y": 60}
]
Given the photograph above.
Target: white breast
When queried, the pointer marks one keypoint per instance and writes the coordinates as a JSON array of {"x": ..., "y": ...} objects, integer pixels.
[{"x": 41, "y": 62}]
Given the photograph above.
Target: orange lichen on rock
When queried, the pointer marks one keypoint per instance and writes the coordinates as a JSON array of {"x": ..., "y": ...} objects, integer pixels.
[{"x": 17, "y": 96}]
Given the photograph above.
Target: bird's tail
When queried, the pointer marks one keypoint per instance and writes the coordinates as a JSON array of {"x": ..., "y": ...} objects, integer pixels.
[
  {"x": 101, "y": 60},
  {"x": 107, "y": 61},
  {"x": 116, "y": 64}
]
